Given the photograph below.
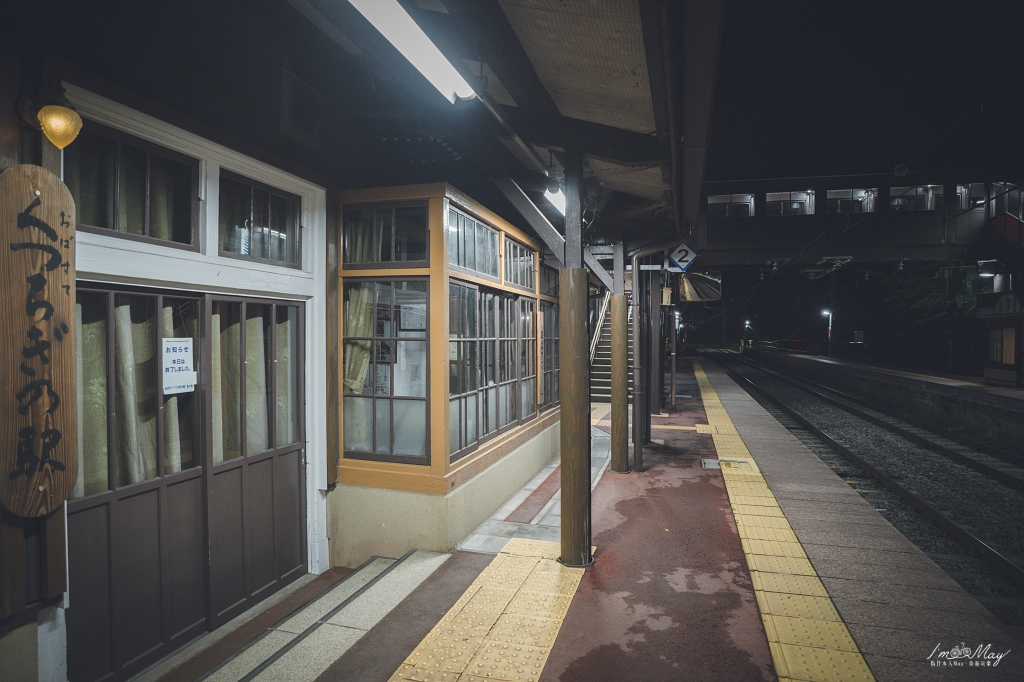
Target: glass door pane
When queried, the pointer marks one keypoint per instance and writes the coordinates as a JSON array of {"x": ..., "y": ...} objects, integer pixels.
[
  {"x": 258, "y": 376},
  {"x": 91, "y": 368},
  {"x": 286, "y": 380},
  {"x": 225, "y": 380},
  {"x": 181, "y": 420},
  {"x": 135, "y": 390}
]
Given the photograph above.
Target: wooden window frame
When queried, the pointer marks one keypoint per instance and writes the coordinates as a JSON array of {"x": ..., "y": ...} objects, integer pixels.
[
  {"x": 256, "y": 184},
  {"x": 453, "y": 263},
  {"x": 425, "y": 460},
  {"x": 391, "y": 264},
  {"x": 150, "y": 148}
]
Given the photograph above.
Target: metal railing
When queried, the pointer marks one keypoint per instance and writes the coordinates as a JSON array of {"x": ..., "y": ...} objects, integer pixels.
[{"x": 599, "y": 324}]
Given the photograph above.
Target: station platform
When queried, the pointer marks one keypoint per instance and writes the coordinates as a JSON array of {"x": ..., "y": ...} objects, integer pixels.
[{"x": 736, "y": 554}]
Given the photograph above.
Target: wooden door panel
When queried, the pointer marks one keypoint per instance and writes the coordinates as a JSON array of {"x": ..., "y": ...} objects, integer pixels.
[
  {"x": 227, "y": 558},
  {"x": 88, "y": 614},
  {"x": 289, "y": 515},
  {"x": 186, "y": 568},
  {"x": 260, "y": 568},
  {"x": 136, "y": 573}
]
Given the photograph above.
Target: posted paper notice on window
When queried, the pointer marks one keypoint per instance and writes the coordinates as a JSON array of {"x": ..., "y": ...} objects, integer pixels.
[{"x": 178, "y": 370}]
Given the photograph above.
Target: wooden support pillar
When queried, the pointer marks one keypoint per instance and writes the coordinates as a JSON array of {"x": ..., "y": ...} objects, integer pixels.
[
  {"x": 574, "y": 377},
  {"x": 620, "y": 359}
]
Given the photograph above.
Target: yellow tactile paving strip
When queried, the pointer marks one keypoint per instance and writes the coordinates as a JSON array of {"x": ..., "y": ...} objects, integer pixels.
[
  {"x": 504, "y": 625},
  {"x": 808, "y": 639}
]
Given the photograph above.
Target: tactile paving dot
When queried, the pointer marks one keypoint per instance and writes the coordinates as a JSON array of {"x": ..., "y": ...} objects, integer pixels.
[
  {"x": 780, "y": 564},
  {"x": 526, "y": 630},
  {"x": 554, "y": 582},
  {"x": 774, "y": 534},
  {"x": 414, "y": 674},
  {"x": 772, "y": 548},
  {"x": 757, "y": 510},
  {"x": 807, "y": 663},
  {"x": 499, "y": 660},
  {"x": 540, "y": 604},
  {"x": 821, "y": 634},
  {"x": 797, "y": 606},
  {"x": 532, "y": 548},
  {"x": 788, "y": 584},
  {"x": 748, "y": 521}
]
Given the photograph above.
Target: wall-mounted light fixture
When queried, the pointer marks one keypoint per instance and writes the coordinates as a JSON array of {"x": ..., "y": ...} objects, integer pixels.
[
  {"x": 990, "y": 268},
  {"x": 54, "y": 115}
]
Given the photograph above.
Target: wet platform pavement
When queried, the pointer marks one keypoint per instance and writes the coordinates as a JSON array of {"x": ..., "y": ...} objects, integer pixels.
[{"x": 770, "y": 567}]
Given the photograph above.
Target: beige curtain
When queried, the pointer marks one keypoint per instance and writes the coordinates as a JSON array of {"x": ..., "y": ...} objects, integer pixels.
[
  {"x": 135, "y": 361},
  {"x": 91, "y": 181},
  {"x": 257, "y": 421},
  {"x": 91, "y": 371},
  {"x": 225, "y": 388},
  {"x": 286, "y": 333},
  {"x": 161, "y": 201}
]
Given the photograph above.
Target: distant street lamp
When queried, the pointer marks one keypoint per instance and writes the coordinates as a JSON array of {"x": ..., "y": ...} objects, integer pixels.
[{"x": 829, "y": 313}]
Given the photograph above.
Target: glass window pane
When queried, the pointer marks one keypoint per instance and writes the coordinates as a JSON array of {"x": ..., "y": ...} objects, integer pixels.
[
  {"x": 91, "y": 370},
  {"x": 492, "y": 253},
  {"x": 411, "y": 309},
  {"x": 411, "y": 438},
  {"x": 89, "y": 174},
  {"x": 131, "y": 190},
  {"x": 283, "y": 235},
  {"x": 470, "y": 417},
  {"x": 135, "y": 390},
  {"x": 258, "y": 373},
  {"x": 358, "y": 246},
  {"x": 170, "y": 200},
  {"x": 225, "y": 380},
  {"x": 235, "y": 209},
  {"x": 286, "y": 366},
  {"x": 382, "y": 422},
  {"x": 382, "y": 362},
  {"x": 260, "y": 223},
  {"x": 358, "y": 424},
  {"x": 411, "y": 233},
  {"x": 471, "y": 244},
  {"x": 453, "y": 237},
  {"x": 411, "y": 369},
  {"x": 481, "y": 248},
  {"x": 454, "y": 425},
  {"x": 383, "y": 310},
  {"x": 492, "y": 410},
  {"x": 382, "y": 234},
  {"x": 180, "y": 319}
]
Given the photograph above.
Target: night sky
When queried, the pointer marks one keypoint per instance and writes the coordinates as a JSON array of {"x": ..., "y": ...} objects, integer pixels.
[{"x": 822, "y": 88}]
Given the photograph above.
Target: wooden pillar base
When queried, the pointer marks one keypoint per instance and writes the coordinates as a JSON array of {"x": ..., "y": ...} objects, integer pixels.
[
  {"x": 620, "y": 387},
  {"x": 574, "y": 391}
]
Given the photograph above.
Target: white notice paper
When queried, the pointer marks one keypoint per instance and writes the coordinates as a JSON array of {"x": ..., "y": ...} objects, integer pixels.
[{"x": 179, "y": 375}]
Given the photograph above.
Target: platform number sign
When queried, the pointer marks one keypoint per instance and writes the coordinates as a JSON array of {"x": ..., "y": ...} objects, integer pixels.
[
  {"x": 681, "y": 258},
  {"x": 38, "y": 400}
]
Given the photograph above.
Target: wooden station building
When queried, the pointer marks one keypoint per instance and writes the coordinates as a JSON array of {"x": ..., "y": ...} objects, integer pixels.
[{"x": 310, "y": 309}]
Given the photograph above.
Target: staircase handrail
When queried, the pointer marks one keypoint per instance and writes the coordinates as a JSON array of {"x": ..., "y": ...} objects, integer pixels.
[{"x": 599, "y": 326}]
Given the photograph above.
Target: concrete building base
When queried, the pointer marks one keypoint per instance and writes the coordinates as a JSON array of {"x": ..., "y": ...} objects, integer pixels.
[{"x": 365, "y": 522}]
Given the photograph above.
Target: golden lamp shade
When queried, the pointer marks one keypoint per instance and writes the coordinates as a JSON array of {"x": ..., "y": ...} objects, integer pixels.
[{"x": 60, "y": 124}]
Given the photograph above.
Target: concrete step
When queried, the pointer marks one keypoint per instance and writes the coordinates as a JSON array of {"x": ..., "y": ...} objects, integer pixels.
[{"x": 303, "y": 646}]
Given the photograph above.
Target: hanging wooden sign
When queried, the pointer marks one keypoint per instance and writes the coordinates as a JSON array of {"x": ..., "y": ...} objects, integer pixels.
[{"x": 38, "y": 415}]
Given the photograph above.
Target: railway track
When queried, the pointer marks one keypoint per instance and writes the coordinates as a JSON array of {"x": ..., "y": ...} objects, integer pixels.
[{"x": 921, "y": 478}]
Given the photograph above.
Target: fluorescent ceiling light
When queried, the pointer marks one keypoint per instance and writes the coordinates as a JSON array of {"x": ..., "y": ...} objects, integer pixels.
[
  {"x": 557, "y": 200},
  {"x": 395, "y": 24}
]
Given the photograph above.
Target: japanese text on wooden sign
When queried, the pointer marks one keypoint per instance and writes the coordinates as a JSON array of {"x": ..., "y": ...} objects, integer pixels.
[{"x": 38, "y": 418}]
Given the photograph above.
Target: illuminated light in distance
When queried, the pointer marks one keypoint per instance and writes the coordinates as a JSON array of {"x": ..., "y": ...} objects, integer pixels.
[
  {"x": 395, "y": 24},
  {"x": 556, "y": 199}
]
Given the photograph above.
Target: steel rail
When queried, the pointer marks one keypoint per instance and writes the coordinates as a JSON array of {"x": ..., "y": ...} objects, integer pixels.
[
  {"x": 1005, "y": 477},
  {"x": 599, "y": 324},
  {"x": 1008, "y": 457},
  {"x": 989, "y": 553}
]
